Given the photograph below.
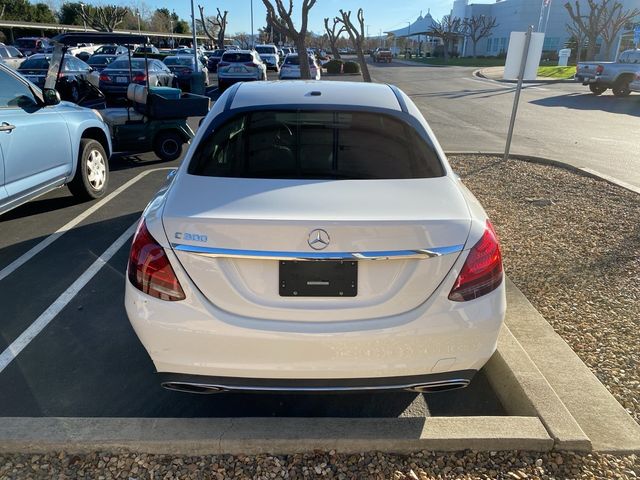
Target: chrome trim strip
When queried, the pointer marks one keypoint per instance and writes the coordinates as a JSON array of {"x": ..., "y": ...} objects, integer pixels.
[
  {"x": 454, "y": 383},
  {"x": 308, "y": 256}
]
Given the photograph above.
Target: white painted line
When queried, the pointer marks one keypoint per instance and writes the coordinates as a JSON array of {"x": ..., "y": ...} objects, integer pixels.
[
  {"x": 19, "y": 344},
  {"x": 25, "y": 257}
]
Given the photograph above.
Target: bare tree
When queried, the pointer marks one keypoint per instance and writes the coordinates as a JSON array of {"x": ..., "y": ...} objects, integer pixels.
[
  {"x": 449, "y": 29},
  {"x": 590, "y": 24},
  {"x": 478, "y": 27},
  {"x": 217, "y": 27},
  {"x": 333, "y": 33},
  {"x": 243, "y": 39},
  {"x": 104, "y": 18},
  {"x": 578, "y": 34},
  {"x": 615, "y": 18},
  {"x": 357, "y": 37},
  {"x": 283, "y": 22}
]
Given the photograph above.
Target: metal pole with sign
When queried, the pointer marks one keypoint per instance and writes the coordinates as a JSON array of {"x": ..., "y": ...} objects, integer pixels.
[{"x": 516, "y": 100}]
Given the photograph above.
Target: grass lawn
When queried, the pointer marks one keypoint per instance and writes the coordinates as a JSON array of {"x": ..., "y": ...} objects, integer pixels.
[
  {"x": 460, "y": 62},
  {"x": 556, "y": 72}
]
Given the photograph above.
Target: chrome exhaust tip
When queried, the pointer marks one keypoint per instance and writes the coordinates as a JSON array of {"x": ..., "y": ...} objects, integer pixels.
[
  {"x": 198, "y": 388},
  {"x": 439, "y": 386}
]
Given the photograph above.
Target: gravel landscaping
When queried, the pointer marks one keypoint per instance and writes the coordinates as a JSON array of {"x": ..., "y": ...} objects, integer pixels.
[{"x": 571, "y": 244}]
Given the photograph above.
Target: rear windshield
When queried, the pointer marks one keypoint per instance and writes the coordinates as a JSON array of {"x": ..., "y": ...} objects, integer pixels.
[
  {"x": 25, "y": 43},
  {"x": 101, "y": 60},
  {"x": 179, "y": 61},
  {"x": 136, "y": 64},
  {"x": 266, "y": 50},
  {"x": 315, "y": 145},
  {"x": 237, "y": 57},
  {"x": 108, "y": 49},
  {"x": 295, "y": 60},
  {"x": 41, "y": 63}
]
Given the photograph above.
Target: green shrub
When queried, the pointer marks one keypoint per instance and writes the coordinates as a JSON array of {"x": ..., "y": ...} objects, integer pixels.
[
  {"x": 351, "y": 67},
  {"x": 334, "y": 66}
]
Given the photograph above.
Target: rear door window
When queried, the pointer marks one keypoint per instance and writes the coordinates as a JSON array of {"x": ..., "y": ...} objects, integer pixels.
[{"x": 316, "y": 145}]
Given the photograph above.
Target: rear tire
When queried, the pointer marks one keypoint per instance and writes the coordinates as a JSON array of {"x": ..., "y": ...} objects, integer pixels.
[
  {"x": 168, "y": 145},
  {"x": 621, "y": 88},
  {"x": 597, "y": 89},
  {"x": 92, "y": 172}
]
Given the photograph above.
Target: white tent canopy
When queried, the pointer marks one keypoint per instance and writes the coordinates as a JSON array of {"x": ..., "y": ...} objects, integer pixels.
[{"x": 422, "y": 26}]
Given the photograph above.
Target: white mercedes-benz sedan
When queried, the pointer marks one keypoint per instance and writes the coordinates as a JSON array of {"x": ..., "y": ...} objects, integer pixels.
[{"x": 315, "y": 239}]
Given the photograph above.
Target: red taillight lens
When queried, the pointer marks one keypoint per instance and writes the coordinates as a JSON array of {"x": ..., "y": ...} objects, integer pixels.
[
  {"x": 482, "y": 270},
  {"x": 149, "y": 269},
  {"x": 599, "y": 69},
  {"x": 105, "y": 78},
  {"x": 139, "y": 78}
]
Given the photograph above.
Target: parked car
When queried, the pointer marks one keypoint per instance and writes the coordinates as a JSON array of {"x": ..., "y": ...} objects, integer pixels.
[
  {"x": 11, "y": 56},
  {"x": 214, "y": 59},
  {"x": 635, "y": 85},
  {"x": 31, "y": 45},
  {"x": 115, "y": 78},
  {"x": 291, "y": 67},
  {"x": 240, "y": 66},
  {"x": 189, "y": 51},
  {"x": 600, "y": 76},
  {"x": 147, "y": 49},
  {"x": 183, "y": 67},
  {"x": 112, "y": 50},
  {"x": 315, "y": 239},
  {"x": 269, "y": 55},
  {"x": 74, "y": 80},
  {"x": 100, "y": 61},
  {"x": 45, "y": 144},
  {"x": 382, "y": 55}
]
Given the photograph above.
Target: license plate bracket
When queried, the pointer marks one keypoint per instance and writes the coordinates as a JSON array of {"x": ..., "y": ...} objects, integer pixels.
[
  {"x": 122, "y": 79},
  {"x": 321, "y": 278}
]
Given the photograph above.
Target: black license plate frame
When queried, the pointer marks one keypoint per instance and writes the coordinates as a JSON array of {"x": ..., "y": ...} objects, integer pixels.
[{"x": 318, "y": 278}]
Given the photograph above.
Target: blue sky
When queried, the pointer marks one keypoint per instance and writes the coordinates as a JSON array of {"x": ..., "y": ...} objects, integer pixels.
[{"x": 379, "y": 14}]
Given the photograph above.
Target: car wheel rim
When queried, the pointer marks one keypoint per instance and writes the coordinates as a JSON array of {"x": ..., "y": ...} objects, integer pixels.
[
  {"x": 170, "y": 147},
  {"x": 96, "y": 170}
]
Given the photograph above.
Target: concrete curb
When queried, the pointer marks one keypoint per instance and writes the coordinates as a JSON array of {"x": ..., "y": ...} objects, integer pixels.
[
  {"x": 584, "y": 171},
  {"x": 480, "y": 74},
  {"x": 271, "y": 435},
  {"x": 607, "y": 424}
]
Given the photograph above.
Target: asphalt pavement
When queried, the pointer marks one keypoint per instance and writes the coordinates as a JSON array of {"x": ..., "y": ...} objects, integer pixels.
[{"x": 561, "y": 121}]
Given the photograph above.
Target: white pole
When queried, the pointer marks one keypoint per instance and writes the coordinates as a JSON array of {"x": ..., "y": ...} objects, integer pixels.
[
  {"x": 253, "y": 43},
  {"x": 546, "y": 22},
  {"x": 516, "y": 100},
  {"x": 195, "y": 38}
]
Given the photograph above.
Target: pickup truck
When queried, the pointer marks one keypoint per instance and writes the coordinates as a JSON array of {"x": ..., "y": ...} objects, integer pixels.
[
  {"x": 382, "y": 55},
  {"x": 600, "y": 76}
]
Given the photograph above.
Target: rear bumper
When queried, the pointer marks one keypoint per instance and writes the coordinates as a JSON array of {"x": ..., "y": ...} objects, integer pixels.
[
  {"x": 208, "y": 384},
  {"x": 194, "y": 337}
]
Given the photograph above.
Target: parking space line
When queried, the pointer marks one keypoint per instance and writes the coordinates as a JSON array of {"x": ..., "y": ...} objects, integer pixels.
[
  {"x": 13, "y": 350},
  {"x": 24, "y": 258}
]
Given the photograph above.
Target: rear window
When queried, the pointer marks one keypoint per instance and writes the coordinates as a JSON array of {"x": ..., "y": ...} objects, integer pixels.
[
  {"x": 101, "y": 60},
  {"x": 233, "y": 57},
  {"x": 25, "y": 43},
  {"x": 264, "y": 50},
  {"x": 41, "y": 63},
  {"x": 315, "y": 145},
  {"x": 136, "y": 64},
  {"x": 295, "y": 60},
  {"x": 179, "y": 61}
]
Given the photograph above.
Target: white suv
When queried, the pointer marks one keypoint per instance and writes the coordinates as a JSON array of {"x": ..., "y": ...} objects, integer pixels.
[
  {"x": 240, "y": 66},
  {"x": 270, "y": 56}
]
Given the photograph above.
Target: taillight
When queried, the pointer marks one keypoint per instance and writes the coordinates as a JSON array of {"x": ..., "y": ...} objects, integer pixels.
[
  {"x": 105, "y": 77},
  {"x": 139, "y": 78},
  {"x": 482, "y": 270},
  {"x": 599, "y": 69},
  {"x": 149, "y": 269}
]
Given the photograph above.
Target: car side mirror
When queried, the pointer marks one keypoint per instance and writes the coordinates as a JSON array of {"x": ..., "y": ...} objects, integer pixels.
[{"x": 51, "y": 96}]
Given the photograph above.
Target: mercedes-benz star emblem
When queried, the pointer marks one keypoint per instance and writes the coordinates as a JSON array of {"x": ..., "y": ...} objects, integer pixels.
[{"x": 319, "y": 239}]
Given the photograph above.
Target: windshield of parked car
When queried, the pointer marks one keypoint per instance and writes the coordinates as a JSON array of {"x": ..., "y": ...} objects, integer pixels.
[
  {"x": 38, "y": 63},
  {"x": 268, "y": 50},
  {"x": 315, "y": 145},
  {"x": 295, "y": 60},
  {"x": 188, "y": 61},
  {"x": 25, "y": 43},
  {"x": 234, "y": 57},
  {"x": 123, "y": 64}
]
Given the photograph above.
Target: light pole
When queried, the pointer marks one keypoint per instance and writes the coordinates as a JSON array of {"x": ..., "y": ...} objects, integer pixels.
[
  {"x": 195, "y": 38},
  {"x": 408, "y": 40},
  {"x": 138, "y": 15},
  {"x": 84, "y": 21},
  {"x": 252, "y": 37}
]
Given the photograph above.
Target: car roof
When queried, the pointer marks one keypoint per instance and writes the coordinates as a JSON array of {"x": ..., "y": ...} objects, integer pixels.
[{"x": 298, "y": 92}]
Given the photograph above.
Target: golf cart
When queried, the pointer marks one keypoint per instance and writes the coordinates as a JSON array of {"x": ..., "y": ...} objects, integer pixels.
[{"x": 155, "y": 118}]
